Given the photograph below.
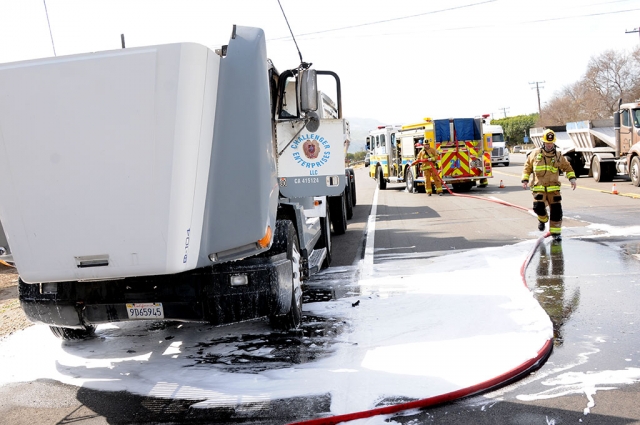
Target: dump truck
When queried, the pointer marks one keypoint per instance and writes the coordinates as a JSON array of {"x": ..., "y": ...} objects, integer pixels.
[
  {"x": 602, "y": 149},
  {"x": 465, "y": 153},
  {"x": 167, "y": 182}
]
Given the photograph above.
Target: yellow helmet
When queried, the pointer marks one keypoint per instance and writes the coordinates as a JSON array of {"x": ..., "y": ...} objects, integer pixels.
[{"x": 549, "y": 136}]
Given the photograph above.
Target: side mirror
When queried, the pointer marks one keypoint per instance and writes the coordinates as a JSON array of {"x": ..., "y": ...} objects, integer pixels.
[{"x": 308, "y": 90}]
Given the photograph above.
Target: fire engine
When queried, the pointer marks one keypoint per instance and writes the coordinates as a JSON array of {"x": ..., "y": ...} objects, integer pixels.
[
  {"x": 384, "y": 155},
  {"x": 464, "y": 153}
]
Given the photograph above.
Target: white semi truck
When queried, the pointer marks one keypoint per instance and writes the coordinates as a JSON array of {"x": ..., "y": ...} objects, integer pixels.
[{"x": 167, "y": 182}]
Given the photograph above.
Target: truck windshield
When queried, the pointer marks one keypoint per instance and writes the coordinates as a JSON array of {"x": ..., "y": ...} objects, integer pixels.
[
  {"x": 497, "y": 137},
  {"x": 636, "y": 118}
]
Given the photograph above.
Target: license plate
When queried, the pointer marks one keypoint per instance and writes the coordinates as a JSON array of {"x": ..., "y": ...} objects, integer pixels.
[{"x": 145, "y": 311}]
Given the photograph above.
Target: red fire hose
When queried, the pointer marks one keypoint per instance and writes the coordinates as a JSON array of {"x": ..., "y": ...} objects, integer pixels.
[{"x": 501, "y": 380}]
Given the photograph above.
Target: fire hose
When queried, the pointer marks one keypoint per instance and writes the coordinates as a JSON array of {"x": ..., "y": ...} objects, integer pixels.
[{"x": 499, "y": 381}]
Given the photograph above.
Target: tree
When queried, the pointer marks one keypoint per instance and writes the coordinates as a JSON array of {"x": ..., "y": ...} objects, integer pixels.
[
  {"x": 515, "y": 128},
  {"x": 609, "y": 77}
]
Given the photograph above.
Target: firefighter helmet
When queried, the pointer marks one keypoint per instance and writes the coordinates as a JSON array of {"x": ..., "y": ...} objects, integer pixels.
[{"x": 549, "y": 136}]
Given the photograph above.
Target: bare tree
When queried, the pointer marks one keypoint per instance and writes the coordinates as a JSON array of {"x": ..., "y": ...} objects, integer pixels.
[{"x": 609, "y": 77}]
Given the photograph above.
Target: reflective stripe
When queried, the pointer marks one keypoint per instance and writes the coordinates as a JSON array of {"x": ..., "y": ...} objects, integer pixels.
[
  {"x": 554, "y": 230},
  {"x": 550, "y": 168},
  {"x": 540, "y": 188},
  {"x": 543, "y": 218},
  {"x": 571, "y": 175},
  {"x": 525, "y": 177}
]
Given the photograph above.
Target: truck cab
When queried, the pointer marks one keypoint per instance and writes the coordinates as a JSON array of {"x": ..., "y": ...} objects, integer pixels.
[
  {"x": 499, "y": 154},
  {"x": 628, "y": 136},
  {"x": 204, "y": 200}
]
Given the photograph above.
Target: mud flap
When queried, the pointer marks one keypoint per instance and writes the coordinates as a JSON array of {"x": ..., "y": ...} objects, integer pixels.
[{"x": 282, "y": 295}]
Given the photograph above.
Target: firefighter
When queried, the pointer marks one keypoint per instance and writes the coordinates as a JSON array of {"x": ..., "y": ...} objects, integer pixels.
[
  {"x": 543, "y": 166},
  {"x": 428, "y": 159}
]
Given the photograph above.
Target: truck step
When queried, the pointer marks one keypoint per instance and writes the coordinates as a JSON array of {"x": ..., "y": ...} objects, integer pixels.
[{"x": 315, "y": 260}]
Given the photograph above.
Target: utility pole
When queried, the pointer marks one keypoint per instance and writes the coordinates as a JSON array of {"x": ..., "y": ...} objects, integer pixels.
[
  {"x": 537, "y": 83},
  {"x": 633, "y": 30},
  {"x": 504, "y": 111}
]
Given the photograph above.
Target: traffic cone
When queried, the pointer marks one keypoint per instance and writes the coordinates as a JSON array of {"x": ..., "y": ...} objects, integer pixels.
[
  {"x": 502, "y": 185},
  {"x": 614, "y": 191}
]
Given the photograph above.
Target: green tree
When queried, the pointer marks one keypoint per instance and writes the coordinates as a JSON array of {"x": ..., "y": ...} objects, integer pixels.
[{"x": 515, "y": 128}]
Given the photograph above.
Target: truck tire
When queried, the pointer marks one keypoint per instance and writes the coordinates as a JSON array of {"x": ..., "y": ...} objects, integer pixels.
[
  {"x": 352, "y": 181},
  {"x": 602, "y": 172},
  {"x": 349, "y": 206},
  {"x": 286, "y": 238},
  {"x": 409, "y": 181},
  {"x": 634, "y": 171},
  {"x": 338, "y": 214},
  {"x": 325, "y": 238},
  {"x": 382, "y": 183},
  {"x": 70, "y": 334},
  {"x": 596, "y": 169}
]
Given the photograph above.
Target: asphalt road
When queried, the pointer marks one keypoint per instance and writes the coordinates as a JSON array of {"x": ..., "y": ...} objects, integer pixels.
[
  {"x": 582, "y": 286},
  {"x": 409, "y": 223}
]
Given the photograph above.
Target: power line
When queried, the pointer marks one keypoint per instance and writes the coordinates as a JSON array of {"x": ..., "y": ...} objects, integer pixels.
[
  {"x": 562, "y": 18},
  {"x": 390, "y": 20},
  {"x": 632, "y": 31}
]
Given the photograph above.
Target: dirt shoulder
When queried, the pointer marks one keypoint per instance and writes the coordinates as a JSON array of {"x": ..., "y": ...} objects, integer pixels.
[{"x": 12, "y": 317}]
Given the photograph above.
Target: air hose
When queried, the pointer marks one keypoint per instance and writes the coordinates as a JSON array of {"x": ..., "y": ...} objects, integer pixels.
[{"x": 483, "y": 387}]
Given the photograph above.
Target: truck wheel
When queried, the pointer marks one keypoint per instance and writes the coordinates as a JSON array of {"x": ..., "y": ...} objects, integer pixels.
[
  {"x": 348, "y": 204},
  {"x": 286, "y": 233},
  {"x": 596, "y": 169},
  {"x": 408, "y": 178},
  {"x": 601, "y": 172},
  {"x": 69, "y": 334},
  {"x": 352, "y": 181},
  {"x": 634, "y": 171},
  {"x": 382, "y": 183},
  {"x": 325, "y": 238},
  {"x": 338, "y": 214}
]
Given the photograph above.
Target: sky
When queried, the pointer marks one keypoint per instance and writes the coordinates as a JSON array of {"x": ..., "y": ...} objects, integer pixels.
[
  {"x": 398, "y": 61},
  {"x": 421, "y": 329}
]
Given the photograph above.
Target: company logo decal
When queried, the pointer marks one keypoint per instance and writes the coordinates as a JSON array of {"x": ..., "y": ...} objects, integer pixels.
[{"x": 311, "y": 151}]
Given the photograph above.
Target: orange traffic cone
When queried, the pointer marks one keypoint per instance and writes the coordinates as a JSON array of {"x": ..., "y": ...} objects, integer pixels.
[
  {"x": 502, "y": 185},
  {"x": 614, "y": 191}
]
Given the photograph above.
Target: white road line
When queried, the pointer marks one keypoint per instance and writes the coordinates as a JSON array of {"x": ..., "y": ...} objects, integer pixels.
[{"x": 367, "y": 263}]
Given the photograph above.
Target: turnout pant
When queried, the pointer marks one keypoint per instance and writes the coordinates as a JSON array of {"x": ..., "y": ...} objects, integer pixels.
[
  {"x": 430, "y": 173},
  {"x": 552, "y": 199}
]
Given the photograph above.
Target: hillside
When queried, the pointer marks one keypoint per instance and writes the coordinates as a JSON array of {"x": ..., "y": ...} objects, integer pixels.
[{"x": 360, "y": 128}]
